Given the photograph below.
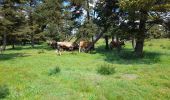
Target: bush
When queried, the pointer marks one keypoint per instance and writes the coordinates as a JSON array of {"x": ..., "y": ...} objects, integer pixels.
[
  {"x": 4, "y": 91},
  {"x": 41, "y": 51},
  {"x": 150, "y": 45},
  {"x": 106, "y": 69},
  {"x": 54, "y": 71},
  {"x": 161, "y": 45},
  {"x": 168, "y": 48}
]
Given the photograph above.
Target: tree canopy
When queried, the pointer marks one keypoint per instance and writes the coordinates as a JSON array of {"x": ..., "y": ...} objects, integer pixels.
[{"x": 39, "y": 20}]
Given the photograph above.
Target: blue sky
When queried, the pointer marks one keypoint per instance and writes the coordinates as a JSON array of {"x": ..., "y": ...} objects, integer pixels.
[{"x": 65, "y": 3}]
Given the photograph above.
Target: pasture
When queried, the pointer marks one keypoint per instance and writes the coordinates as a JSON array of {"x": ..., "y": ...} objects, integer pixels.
[{"x": 26, "y": 72}]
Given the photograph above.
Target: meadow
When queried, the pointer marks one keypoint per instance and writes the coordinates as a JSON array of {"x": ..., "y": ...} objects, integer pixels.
[{"x": 26, "y": 72}]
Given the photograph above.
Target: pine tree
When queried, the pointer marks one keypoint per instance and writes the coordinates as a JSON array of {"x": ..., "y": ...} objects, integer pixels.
[
  {"x": 48, "y": 15},
  {"x": 148, "y": 13},
  {"x": 11, "y": 18},
  {"x": 104, "y": 10}
]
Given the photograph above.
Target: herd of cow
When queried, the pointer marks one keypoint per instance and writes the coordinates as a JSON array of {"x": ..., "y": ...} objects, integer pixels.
[{"x": 82, "y": 46}]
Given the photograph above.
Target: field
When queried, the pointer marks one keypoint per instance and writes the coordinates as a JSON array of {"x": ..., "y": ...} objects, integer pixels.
[{"x": 26, "y": 72}]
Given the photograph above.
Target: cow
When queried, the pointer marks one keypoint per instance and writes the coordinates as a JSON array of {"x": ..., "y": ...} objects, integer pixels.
[
  {"x": 66, "y": 45},
  {"x": 83, "y": 45},
  {"x": 69, "y": 46},
  {"x": 116, "y": 44},
  {"x": 52, "y": 43}
]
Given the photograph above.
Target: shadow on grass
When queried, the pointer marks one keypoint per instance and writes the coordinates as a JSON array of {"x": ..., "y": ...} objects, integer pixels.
[
  {"x": 126, "y": 56},
  {"x": 37, "y": 47},
  {"x": 11, "y": 56}
]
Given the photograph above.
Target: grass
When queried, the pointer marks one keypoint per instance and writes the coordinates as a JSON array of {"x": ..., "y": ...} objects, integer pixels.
[
  {"x": 26, "y": 73},
  {"x": 106, "y": 69},
  {"x": 4, "y": 91},
  {"x": 54, "y": 71}
]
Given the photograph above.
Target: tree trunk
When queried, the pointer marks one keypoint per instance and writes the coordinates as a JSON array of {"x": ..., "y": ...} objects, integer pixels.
[
  {"x": 141, "y": 35},
  {"x": 24, "y": 42},
  {"x": 139, "y": 47},
  {"x": 31, "y": 24},
  {"x": 13, "y": 42},
  {"x": 112, "y": 38},
  {"x": 1, "y": 49},
  {"x": 88, "y": 13},
  {"x": 32, "y": 40},
  {"x": 107, "y": 42},
  {"x": 98, "y": 37},
  {"x": 4, "y": 42},
  {"x": 13, "y": 45},
  {"x": 93, "y": 47},
  {"x": 118, "y": 46},
  {"x": 78, "y": 38},
  {"x": 117, "y": 38},
  {"x": 133, "y": 42}
]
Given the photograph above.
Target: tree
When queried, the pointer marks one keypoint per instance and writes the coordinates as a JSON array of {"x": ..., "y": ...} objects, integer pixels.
[
  {"x": 148, "y": 13},
  {"x": 48, "y": 15},
  {"x": 87, "y": 30},
  {"x": 11, "y": 18},
  {"x": 106, "y": 17}
]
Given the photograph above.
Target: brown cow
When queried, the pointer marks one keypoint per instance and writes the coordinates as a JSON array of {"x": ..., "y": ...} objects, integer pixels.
[
  {"x": 62, "y": 46},
  {"x": 83, "y": 45},
  {"x": 116, "y": 44}
]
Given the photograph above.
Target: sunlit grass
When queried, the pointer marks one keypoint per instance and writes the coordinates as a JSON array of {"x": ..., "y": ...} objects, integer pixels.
[{"x": 26, "y": 72}]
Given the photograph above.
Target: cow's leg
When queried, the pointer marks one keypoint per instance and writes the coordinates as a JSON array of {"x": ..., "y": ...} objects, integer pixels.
[
  {"x": 111, "y": 47},
  {"x": 84, "y": 49},
  {"x": 58, "y": 50},
  {"x": 79, "y": 49}
]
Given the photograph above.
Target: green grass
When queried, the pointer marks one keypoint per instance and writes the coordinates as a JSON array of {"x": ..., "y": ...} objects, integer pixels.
[{"x": 26, "y": 72}]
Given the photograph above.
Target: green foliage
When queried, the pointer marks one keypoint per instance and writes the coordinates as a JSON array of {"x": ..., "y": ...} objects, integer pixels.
[
  {"x": 54, "y": 71},
  {"x": 4, "y": 91},
  {"x": 13, "y": 20},
  {"x": 48, "y": 12},
  {"x": 52, "y": 15},
  {"x": 87, "y": 30},
  {"x": 106, "y": 69},
  {"x": 137, "y": 5},
  {"x": 142, "y": 11},
  {"x": 77, "y": 2},
  {"x": 157, "y": 31}
]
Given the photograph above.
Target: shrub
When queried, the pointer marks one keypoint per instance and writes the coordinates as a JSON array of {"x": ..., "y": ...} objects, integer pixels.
[
  {"x": 163, "y": 47},
  {"x": 41, "y": 51},
  {"x": 106, "y": 69},
  {"x": 54, "y": 71},
  {"x": 150, "y": 45},
  {"x": 168, "y": 48},
  {"x": 4, "y": 91}
]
